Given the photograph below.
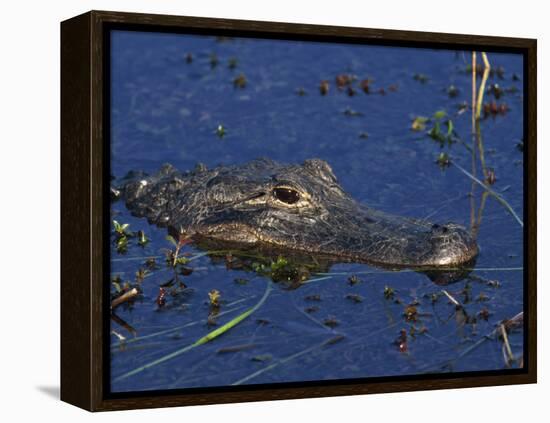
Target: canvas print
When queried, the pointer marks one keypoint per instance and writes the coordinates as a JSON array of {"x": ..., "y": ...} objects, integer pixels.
[{"x": 295, "y": 211}]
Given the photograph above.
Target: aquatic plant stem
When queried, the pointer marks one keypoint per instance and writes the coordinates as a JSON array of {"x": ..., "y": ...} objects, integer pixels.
[
  {"x": 127, "y": 296},
  {"x": 207, "y": 338},
  {"x": 508, "y": 355},
  {"x": 490, "y": 191},
  {"x": 486, "y": 71},
  {"x": 286, "y": 359},
  {"x": 168, "y": 331},
  {"x": 474, "y": 89},
  {"x": 477, "y": 223},
  {"x": 516, "y": 320}
]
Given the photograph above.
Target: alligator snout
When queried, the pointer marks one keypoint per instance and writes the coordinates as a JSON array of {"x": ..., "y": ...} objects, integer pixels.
[
  {"x": 452, "y": 245},
  {"x": 397, "y": 241}
]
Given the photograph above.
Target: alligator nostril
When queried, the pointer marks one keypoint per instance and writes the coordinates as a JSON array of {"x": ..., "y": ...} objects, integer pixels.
[{"x": 439, "y": 229}]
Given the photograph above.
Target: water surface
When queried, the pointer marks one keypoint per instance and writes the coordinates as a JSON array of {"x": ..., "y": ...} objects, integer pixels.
[{"x": 165, "y": 109}]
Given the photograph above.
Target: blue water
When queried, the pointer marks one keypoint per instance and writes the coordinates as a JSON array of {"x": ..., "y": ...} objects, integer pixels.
[{"x": 165, "y": 109}]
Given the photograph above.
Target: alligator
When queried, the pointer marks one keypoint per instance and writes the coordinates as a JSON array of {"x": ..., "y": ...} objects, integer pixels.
[{"x": 293, "y": 207}]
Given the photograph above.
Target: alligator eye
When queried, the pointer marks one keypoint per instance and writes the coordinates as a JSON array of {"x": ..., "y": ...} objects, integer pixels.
[{"x": 286, "y": 195}]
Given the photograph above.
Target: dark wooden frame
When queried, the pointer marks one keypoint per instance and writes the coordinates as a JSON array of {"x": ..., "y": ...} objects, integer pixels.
[{"x": 83, "y": 202}]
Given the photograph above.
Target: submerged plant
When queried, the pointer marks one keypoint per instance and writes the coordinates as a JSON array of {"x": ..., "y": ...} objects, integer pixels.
[{"x": 220, "y": 131}]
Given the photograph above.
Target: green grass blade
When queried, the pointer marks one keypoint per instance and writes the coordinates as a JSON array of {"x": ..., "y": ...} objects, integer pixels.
[
  {"x": 207, "y": 338},
  {"x": 234, "y": 322},
  {"x": 490, "y": 191}
]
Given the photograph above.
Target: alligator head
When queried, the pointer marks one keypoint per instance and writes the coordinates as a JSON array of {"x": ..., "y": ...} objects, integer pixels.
[{"x": 293, "y": 207}]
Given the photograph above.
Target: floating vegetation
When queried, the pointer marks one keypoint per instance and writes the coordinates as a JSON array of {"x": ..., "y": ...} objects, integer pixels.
[
  {"x": 301, "y": 92},
  {"x": 401, "y": 341},
  {"x": 443, "y": 160},
  {"x": 350, "y": 84},
  {"x": 493, "y": 284},
  {"x": 240, "y": 81},
  {"x": 161, "y": 297},
  {"x": 353, "y": 280},
  {"x": 121, "y": 230},
  {"x": 324, "y": 87},
  {"x": 495, "y": 90},
  {"x": 389, "y": 293},
  {"x": 356, "y": 298},
  {"x": 214, "y": 297},
  {"x": 141, "y": 274},
  {"x": 437, "y": 133},
  {"x": 172, "y": 256},
  {"x": 452, "y": 91},
  {"x": 344, "y": 80},
  {"x": 221, "y": 131},
  {"x": 411, "y": 313},
  {"x": 151, "y": 263},
  {"x": 441, "y": 130},
  {"x": 494, "y": 109},
  {"x": 142, "y": 238},
  {"x": 420, "y": 77},
  {"x": 499, "y": 71},
  {"x": 282, "y": 270},
  {"x": 232, "y": 63},
  {"x": 365, "y": 85},
  {"x": 419, "y": 123},
  {"x": 331, "y": 322},
  {"x": 121, "y": 236},
  {"x": 122, "y": 245},
  {"x": 484, "y": 314}
]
